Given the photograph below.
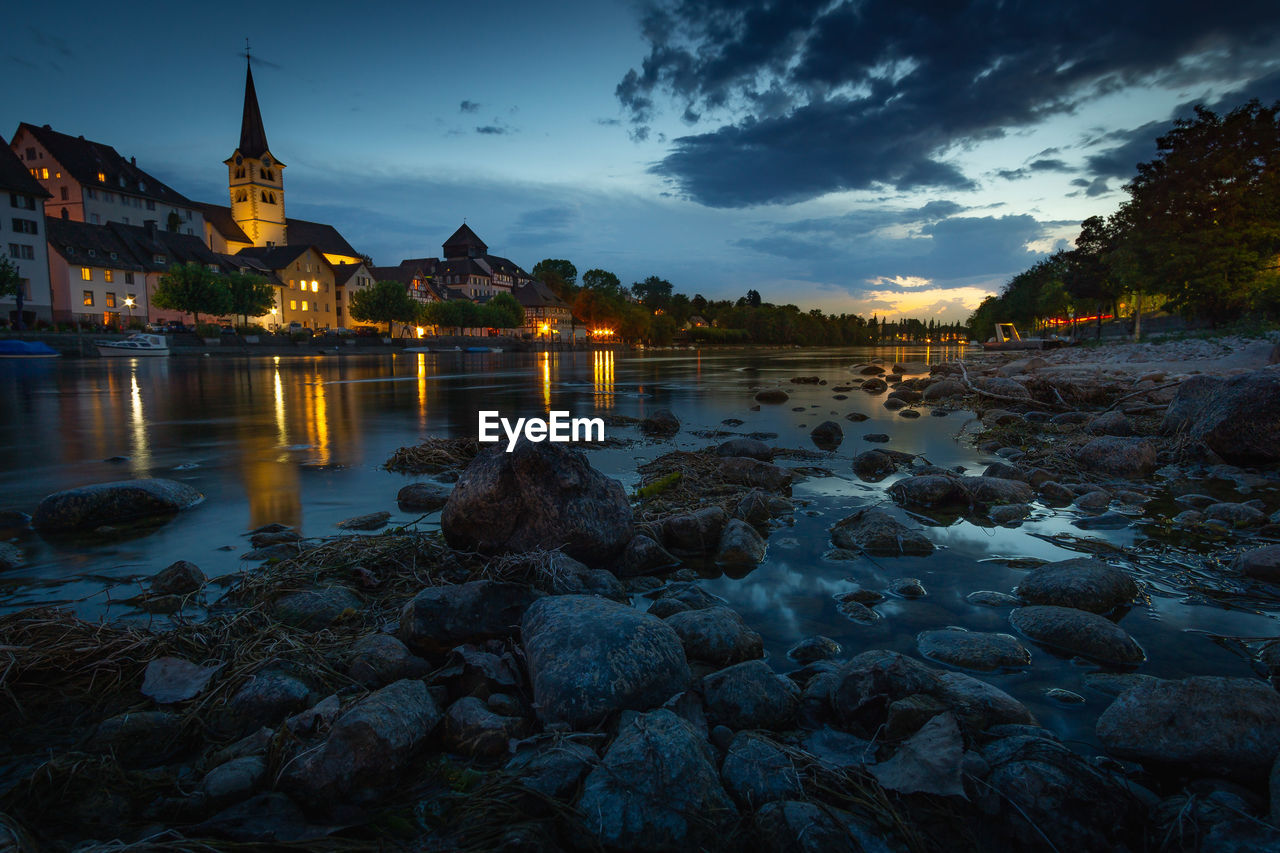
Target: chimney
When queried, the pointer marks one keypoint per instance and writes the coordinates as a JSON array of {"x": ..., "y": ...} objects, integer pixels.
[
  {"x": 150, "y": 225},
  {"x": 133, "y": 161}
]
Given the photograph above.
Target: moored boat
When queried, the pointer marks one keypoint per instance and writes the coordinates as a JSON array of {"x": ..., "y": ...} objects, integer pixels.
[
  {"x": 134, "y": 346},
  {"x": 26, "y": 349},
  {"x": 1008, "y": 339}
]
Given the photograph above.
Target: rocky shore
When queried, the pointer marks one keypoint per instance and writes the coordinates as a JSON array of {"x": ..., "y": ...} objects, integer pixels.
[{"x": 547, "y": 673}]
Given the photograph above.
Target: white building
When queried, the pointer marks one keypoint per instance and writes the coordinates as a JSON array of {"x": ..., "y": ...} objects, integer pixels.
[{"x": 22, "y": 241}]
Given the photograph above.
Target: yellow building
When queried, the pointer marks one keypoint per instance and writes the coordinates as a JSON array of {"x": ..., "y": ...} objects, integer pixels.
[
  {"x": 307, "y": 294},
  {"x": 256, "y": 178}
]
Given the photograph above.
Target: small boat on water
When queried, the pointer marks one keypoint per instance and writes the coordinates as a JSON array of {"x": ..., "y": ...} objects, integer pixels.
[
  {"x": 483, "y": 349},
  {"x": 26, "y": 349},
  {"x": 134, "y": 346},
  {"x": 1008, "y": 339}
]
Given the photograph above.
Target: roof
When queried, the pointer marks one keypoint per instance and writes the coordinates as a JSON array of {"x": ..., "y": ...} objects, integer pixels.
[
  {"x": 220, "y": 218},
  {"x": 85, "y": 160},
  {"x": 342, "y": 273},
  {"x": 147, "y": 244},
  {"x": 15, "y": 177},
  {"x": 324, "y": 237},
  {"x": 253, "y": 136},
  {"x": 84, "y": 244},
  {"x": 276, "y": 257},
  {"x": 535, "y": 294},
  {"x": 462, "y": 240}
]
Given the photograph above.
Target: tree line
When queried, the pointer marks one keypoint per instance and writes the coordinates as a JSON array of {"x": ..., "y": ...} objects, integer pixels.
[{"x": 1199, "y": 234}]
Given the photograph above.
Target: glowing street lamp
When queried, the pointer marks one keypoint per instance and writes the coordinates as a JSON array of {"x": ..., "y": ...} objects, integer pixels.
[
  {"x": 274, "y": 311},
  {"x": 129, "y": 303}
]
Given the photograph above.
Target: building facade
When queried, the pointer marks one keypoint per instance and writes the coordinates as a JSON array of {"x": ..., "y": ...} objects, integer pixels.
[
  {"x": 22, "y": 241},
  {"x": 305, "y": 285}
]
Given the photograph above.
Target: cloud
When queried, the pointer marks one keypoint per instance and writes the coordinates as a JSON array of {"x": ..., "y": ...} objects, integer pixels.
[
  {"x": 468, "y": 107},
  {"x": 545, "y": 225},
  {"x": 813, "y": 96},
  {"x": 493, "y": 130}
]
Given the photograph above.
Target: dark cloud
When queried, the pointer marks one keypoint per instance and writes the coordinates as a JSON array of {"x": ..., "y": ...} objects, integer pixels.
[
  {"x": 545, "y": 225},
  {"x": 1092, "y": 188},
  {"x": 817, "y": 96},
  {"x": 492, "y": 130},
  {"x": 468, "y": 107},
  {"x": 1039, "y": 165}
]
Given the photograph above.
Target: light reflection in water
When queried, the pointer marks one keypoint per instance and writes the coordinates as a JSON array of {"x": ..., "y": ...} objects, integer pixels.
[
  {"x": 318, "y": 419},
  {"x": 282, "y": 434},
  {"x": 602, "y": 376},
  {"x": 422, "y": 391},
  {"x": 140, "y": 454},
  {"x": 546, "y": 380}
]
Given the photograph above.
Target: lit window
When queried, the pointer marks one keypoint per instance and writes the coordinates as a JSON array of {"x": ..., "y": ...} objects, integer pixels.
[
  {"x": 111, "y": 299},
  {"x": 304, "y": 305},
  {"x": 44, "y": 173},
  {"x": 315, "y": 287},
  {"x": 88, "y": 298},
  {"x": 109, "y": 276},
  {"x": 86, "y": 274},
  {"x": 102, "y": 177},
  {"x": 293, "y": 305}
]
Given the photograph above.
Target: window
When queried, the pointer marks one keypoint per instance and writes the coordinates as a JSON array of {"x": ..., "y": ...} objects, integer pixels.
[
  {"x": 86, "y": 274},
  {"x": 44, "y": 173},
  {"x": 24, "y": 226},
  {"x": 66, "y": 214},
  {"x": 114, "y": 256},
  {"x": 109, "y": 276},
  {"x": 159, "y": 259},
  {"x": 93, "y": 218},
  {"x": 188, "y": 217},
  {"x": 92, "y": 252},
  {"x": 304, "y": 305},
  {"x": 126, "y": 220},
  {"x": 90, "y": 192},
  {"x": 128, "y": 279},
  {"x": 102, "y": 177},
  {"x": 151, "y": 205},
  {"x": 242, "y": 195},
  {"x": 22, "y": 202},
  {"x": 31, "y": 153},
  {"x": 111, "y": 297},
  {"x": 24, "y": 284},
  {"x": 88, "y": 298},
  {"x": 293, "y": 305},
  {"x": 21, "y": 251},
  {"x": 63, "y": 191},
  {"x": 315, "y": 287},
  {"x": 109, "y": 197},
  {"x": 264, "y": 195}
]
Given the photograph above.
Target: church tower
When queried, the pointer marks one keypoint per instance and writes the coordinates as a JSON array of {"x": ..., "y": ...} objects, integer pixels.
[{"x": 256, "y": 178}]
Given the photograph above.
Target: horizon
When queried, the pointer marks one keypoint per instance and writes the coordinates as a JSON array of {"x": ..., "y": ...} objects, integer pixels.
[{"x": 875, "y": 162}]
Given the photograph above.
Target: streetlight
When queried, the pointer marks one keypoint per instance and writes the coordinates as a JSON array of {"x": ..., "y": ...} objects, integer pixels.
[
  {"x": 274, "y": 311},
  {"x": 129, "y": 303}
]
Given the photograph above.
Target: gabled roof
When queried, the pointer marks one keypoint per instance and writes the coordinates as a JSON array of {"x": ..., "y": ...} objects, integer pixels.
[
  {"x": 85, "y": 244},
  {"x": 278, "y": 257},
  {"x": 148, "y": 244},
  {"x": 324, "y": 237},
  {"x": 342, "y": 273},
  {"x": 14, "y": 176},
  {"x": 220, "y": 218},
  {"x": 253, "y": 136},
  {"x": 507, "y": 266},
  {"x": 462, "y": 240},
  {"x": 535, "y": 294},
  {"x": 85, "y": 160}
]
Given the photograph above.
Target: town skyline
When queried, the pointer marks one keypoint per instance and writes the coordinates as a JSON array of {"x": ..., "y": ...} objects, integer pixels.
[{"x": 569, "y": 154}]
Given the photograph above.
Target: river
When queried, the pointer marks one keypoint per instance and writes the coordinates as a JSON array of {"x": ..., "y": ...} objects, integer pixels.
[{"x": 301, "y": 441}]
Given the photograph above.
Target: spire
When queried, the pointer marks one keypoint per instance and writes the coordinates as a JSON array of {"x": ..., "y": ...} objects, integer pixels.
[{"x": 253, "y": 138}]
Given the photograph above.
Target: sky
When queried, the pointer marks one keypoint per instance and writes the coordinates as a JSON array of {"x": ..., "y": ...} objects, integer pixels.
[{"x": 865, "y": 156}]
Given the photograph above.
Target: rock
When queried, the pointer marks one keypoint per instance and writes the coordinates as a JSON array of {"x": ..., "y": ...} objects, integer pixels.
[
  {"x": 422, "y": 497},
  {"x": 316, "y": 609},
  {"x": 1097, "y": 499},
  {"x": 1260, "y": 564},
  {"x": 661, "y": 422},
  {"x": 812, "y": 649},
  {"x": 875, "y": 386},
  {"x": 681, "y": 596},
  {"x": 943, "y": 389},
  {"x": 279, "y": 551},
  {"x": 987, "y": 491},
  {"x": 827, "y": 435},
  {"x": 979, "y": 705},
  {"x": 906, "y": 395},
  {"x": 366, "y": 749},
  {"x": 643, "y": 555},
  {"x": 750, "y": 695},
  {"x": 169, "y": 679},
  {"x": 1204, "y": 724},
  {"x": 1003, "y": 387},
  {"x": 929, "y": 762},
  {"x": 1071, "y": 418},
  {"x": 907, "y": 588},
  {"x": 1065, "y": 697},
  {"x": 1237, "y": 418},
  {"x": 1039, "y": 792},
  {"x": 180, "y": 578},
  {"x": 1187, "y": 518},
  {"x": 973, "y": 649},
  {"x": 11, "y": 556},
  {"x": 1004, "y": 471},
  {"x": 588, "y": 657},
  {"x": 752, "y": 448},
  {"x": 873, "y": 465},
  {"x": 740, "y": 546},
  {"x": 540, "y": 495},
  {"x": 274, "y": 537},
  {"x": 1115, "y": 683},
  {"x": 754, "y": 508},
  {"x": 1083, "y": 583},
  {"x": 697, "y": 532},
  {"x": 372, "y": 521},
  {"x": 806, "y": 380},
  {"x": 716, "y": 635},
  {"x": 471, "y": 728},
  {"x": 797, "y": 826},
  {"x": 929, "y": 490},
  {"x": 552, "y": 766},
  {"x": 656, "y": 789},
  {"x": 865, "y": 685},
  {"x": 913, "y": 368},
  {"x": 1236, "y": 515},
  {"x": 876, "y": 437},
  {"x": 266, "y": 699},
  {"x": 269, "y": 817},
  {"x": 989, "y": 598},
  {"x": 1078, "y": 632},
  {"x": 772, "y": 395},
  {"x": 756, "y": 772},
  {"x": 1056, "y": 494},
  {"x": 1009, "y": 513},
  {"x": 751, "y": 472},
  {"x": 441, "y": 617},
  {"x": 856, "y": 417},
  {"x": 379, "y": 659},
  {"x": 876, "y": 532},
  {"x": 1118, "y": 457},
  {"x": 893, "y": 404},
  {"x": 1106, "y": 521},
  {"x": 138, "y": 738},
  {"x": 235, "y": 780},
  {"x": 856, "y": 611},
  {"x": 1110, "y": 423},
  {"x": 90, "y": 507}
]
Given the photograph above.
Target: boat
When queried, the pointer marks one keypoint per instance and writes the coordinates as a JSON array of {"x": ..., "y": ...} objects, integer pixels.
[
  {"x": 477, "y": 349},
  {"x": 26, "y": 349},
  {"x": 1007, "y": 339},
  {"x": 134, "y": 346}
]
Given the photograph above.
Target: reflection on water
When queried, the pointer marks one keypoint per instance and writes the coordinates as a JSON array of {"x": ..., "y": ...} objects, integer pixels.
[{"x": 300, "y": 441}]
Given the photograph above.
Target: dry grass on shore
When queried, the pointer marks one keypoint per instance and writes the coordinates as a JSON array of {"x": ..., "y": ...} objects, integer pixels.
[{"x": 434, "y": 455}]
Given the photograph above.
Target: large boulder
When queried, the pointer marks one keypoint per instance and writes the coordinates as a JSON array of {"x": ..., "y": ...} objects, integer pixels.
[
  {"x": 365, "y": 750},
  {"x": 1083, "y": 583},
  {"x": 1260, "y": 564},
  {"x": 928, "y": 490},
  {"x": 876, "y": 532},
  {"x": 943, "y": 389},
  {"x": 1237, "y": 418},
  {"x": 986, "y": 491},
  {"x": 90, "y": 507},
  {"x": 661, "y": 422},
  {"x": 755, "y": 772},
  {"x": 743, "y": 471},
  {"x": 716, "y": 635},
  {"x": 740, "y": 546},
  {"x": 1204, "y": 724},
  {"x": 752, "y": 448},
  {"x": 588, "y": 657},
  {"x": 1002, "y": 387},
  {"x": 1078, "y": 632},
  {"x": 1113, "y": 456},
  {"x": 978, "y": 650},
  {"x": 750, "y": 695},
  {"x": 657, "y": 789},
  {"x": 440, "y": 617},
  {"x": 540, "y": 495},
  {"x": 873, "y": 465}
]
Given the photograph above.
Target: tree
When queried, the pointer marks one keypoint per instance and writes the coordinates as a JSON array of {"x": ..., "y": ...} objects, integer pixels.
[
  {"x": 251, "y": 295},
  {"x": 504, "y": 312},
  {"x": 384, "y": 302},
  {"x": 753, "y": 299},
  {"x": 601, "y": 281},
  {"x": 654, "y": 292},
  {"x": 11, "y": 285},
  {"x": 558, "y": 274},
  {"x": 193, "y": 289}
]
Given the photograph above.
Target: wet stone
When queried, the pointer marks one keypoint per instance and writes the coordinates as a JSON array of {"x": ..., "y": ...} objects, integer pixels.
[
  {"x": 813, "y": 649},
  {"x": 1078, "y": 632},
  {"x": 990, "y": 598},
  {"x": 976, "y": 650}
]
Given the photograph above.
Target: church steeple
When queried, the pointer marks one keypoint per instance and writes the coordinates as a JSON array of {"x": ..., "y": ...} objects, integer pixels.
[
  {"x": 256, "y": 178},
  {"x": 253, "y": 136}
]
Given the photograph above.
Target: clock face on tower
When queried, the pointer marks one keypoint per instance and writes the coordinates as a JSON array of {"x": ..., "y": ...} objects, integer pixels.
[
  {"x": 239, "y": 160},
  {"x": 266, "y": 161}
]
